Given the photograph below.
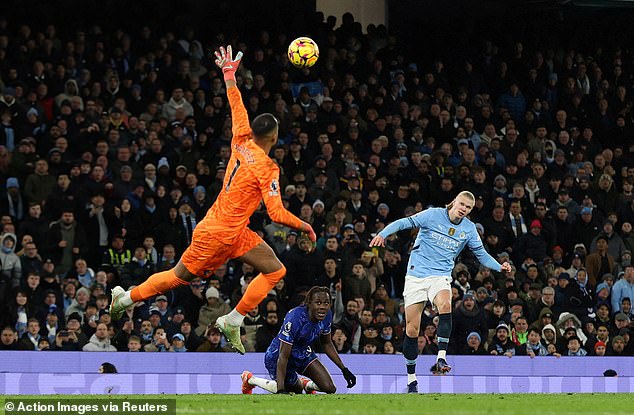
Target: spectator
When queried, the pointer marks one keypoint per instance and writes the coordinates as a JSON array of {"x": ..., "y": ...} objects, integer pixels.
[
  {"x": 501, "y": 344},
  {"x": 11, "y": 267},
  {"x": 474, "y": 345},
  {"x": 265, "y": 333},
  {"x": 137, "y": 270},
  {"x": 623, "y": 288},
  {"x": 8, "y": 339},
  {"x": 533, "y": 346},
  {"x": 212, "y": 341},
  {"x": 159, "y": 343},
  {"x": 574, "y": 347},
  {"x": 211, "y": 311},
  {"x": 599, "y": 262},
  {"x": 66, "y": 241}
]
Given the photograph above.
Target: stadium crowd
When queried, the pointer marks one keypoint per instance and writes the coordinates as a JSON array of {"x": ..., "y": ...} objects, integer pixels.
[{"x": 113, "y": 146}]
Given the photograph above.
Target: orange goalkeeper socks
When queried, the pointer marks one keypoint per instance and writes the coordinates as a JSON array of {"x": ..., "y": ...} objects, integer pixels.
[
  {"x": 158, "y": 283},
  {"x": 258, "y": 290}
]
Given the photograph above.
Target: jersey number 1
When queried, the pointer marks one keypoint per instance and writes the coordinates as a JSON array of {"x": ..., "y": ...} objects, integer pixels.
[{"x": 231, "y": 176}]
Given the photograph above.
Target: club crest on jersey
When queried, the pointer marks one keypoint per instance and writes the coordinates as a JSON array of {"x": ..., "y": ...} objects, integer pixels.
[
  {"x": 452, "y": 231},
  {"x": 462, "y": 235},
  {"x": 274, "y": 188},
  {"x": 287, "y": 329}
]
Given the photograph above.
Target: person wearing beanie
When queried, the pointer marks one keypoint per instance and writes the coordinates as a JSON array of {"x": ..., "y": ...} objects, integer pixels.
[
  {"x": 474, "y": 345},
  {"x": 600, "y": 348},
  {"x": 210, "y": 312}
]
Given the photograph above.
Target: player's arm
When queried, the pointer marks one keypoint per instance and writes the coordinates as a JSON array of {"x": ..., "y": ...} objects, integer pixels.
[
  {"x": 398, "y": 225},
  {"x": 270, "y": 189},
  {"x": 241, "y": 129},
  {"x": 282, "y": 364},
  {"x": 475, "y": 244},
  {"x": 329, "y": 348}
]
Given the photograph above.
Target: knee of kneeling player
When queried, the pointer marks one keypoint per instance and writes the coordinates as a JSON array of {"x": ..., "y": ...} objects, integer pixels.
[{"x": 330, "y": 388}]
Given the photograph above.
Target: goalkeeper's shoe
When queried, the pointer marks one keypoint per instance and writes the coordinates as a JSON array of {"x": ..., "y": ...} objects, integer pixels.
[
  {"x": 440, "y": 367},
  {"x": 116, "y": 307},
  {"x": 232, "y": 333}
]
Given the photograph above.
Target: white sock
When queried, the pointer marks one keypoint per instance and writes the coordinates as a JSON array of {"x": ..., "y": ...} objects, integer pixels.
[
  {"x": 442, "y": 354},
  {"x": 411, "y": 377},
  {"x": 269, "y": 385},
  {"x": 126, "y": 300},
  {"x": 311, "y": 386},
  {"x": 234, "y": 318}
]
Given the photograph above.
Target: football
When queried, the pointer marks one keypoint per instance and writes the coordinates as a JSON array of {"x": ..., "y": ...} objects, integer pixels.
[{"x": 303, "y": 52}]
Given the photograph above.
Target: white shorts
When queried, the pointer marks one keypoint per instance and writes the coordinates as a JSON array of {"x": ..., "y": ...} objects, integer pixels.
[{"x": 418, "y": 290}]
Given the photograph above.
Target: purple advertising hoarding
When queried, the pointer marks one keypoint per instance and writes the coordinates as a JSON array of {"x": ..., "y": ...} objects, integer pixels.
[{"x": 187, "y": 373}]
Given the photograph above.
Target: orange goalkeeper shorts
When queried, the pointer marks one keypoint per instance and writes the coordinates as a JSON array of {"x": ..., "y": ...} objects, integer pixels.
[{"x": 209, "y": 249}]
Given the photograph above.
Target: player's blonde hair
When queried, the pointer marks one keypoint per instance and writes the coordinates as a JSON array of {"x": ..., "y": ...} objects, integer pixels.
[{"x": 464, "y": 193}]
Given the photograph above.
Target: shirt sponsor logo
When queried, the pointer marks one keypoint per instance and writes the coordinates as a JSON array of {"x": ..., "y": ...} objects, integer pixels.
[{"x": 445, "y": 242}]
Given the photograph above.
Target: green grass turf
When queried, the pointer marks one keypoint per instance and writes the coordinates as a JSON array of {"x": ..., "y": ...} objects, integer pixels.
[{"x": 434, "y": 404}]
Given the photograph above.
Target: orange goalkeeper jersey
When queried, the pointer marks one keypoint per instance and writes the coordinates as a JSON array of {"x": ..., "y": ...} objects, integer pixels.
[{"x": 251, "y": 176}]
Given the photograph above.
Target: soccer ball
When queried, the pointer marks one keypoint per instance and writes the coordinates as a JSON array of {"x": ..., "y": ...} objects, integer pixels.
[{"x": 303, "y": 52}]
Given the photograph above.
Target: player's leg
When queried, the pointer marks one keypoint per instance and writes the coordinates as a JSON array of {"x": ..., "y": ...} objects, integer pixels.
[
  {"x": 414, "y": 296},
  {"x": 249, "y": 382},
  {"x": 441, "y": 294},
  {"x": 203, "y": 254},
  {"x": 320, "y": 379},
  {"x": 158, "y": 283},
  {"x": 257, "y": 253},
  {"x": 410, "y": 344}
]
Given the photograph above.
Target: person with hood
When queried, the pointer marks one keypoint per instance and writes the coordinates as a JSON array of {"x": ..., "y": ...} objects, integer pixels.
[
  {"x": 100, "y": 341},
  {"x": 468, "y": 317},
  {"x": 578, "y": 296},
  {"x": 568, "y": 320},
  {"x": 10, "y": 266},
  {"x": 71, "y": 89},
  {"x": 549, "y": 335},
  {"x": 545, "y": 318},
  {"x": 13, "y": 204},
  {"x": 623, "y": 288},
  {"x": 210, "y": 312}
]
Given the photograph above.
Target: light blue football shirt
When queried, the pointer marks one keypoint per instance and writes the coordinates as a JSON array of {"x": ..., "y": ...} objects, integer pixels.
[{"x": 439, "y": 242}]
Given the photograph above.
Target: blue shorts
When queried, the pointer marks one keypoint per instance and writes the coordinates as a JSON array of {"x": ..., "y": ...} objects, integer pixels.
[{"x": 295, "y": 366}]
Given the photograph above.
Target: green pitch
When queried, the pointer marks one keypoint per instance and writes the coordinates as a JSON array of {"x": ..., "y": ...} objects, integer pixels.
[{"x": 352, "y": 404}]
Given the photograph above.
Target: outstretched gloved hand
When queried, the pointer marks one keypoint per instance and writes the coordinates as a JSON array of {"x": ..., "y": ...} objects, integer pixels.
[{"x": 227, "y": 63}]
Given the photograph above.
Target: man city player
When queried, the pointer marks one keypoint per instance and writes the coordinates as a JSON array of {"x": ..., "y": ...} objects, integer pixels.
[{"x": 443, "y": 233}]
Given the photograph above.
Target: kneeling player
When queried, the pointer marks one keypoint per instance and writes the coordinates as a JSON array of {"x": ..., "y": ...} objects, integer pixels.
[{"x": 290, "y": 353}]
